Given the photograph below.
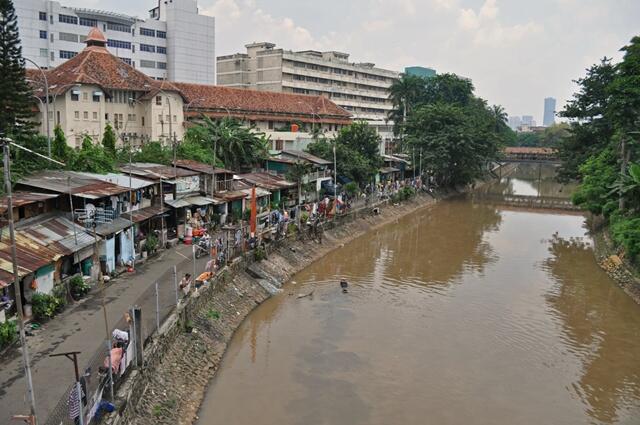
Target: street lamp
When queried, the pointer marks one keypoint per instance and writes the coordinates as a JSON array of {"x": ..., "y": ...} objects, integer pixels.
[{"x": 46, "y": 105}]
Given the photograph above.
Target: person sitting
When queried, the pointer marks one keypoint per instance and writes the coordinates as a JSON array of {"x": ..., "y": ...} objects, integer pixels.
[{"x": 185, "y": 284}]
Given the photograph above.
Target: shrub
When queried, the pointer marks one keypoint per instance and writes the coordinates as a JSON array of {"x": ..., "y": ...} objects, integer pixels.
[
  {"x": 45, "y": 306},
  {"x": 8, "y": 333},
  {"x": 260, "y": 254},
  {"x": 152, "y": 243},
  {"x": 60, "y": 293},
  {"x": 351, "y": 188},
  {"x": 304, "y": 217},
  {"x": 78, "y": 287},
  {"x": 626, "y": 232}
]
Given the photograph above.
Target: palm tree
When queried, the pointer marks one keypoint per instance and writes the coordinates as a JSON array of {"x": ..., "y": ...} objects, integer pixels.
[
  {"x": 296, "y": 173},
  {"x": 500, "y": 116},
  {"x": 405, "y": 93},
  {"x": 235, "y": 145}
]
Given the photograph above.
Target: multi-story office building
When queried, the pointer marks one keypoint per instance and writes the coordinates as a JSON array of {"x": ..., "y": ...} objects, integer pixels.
[
  {"x": 420, "y": 71},
  {"x": 174, "y": 43},
  {"x": 360, "y": 88},
  {"x": 527, "y": 120},
  {"x": 549, "y": 111}
]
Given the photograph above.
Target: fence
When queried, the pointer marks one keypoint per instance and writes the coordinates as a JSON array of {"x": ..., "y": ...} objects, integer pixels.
[{"x": 157, "y": 303}]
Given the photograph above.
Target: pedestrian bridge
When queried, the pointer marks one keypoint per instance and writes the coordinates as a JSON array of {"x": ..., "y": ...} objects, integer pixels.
[
  {"x": 525, "y": 154},
  {"x": 525, "y": 201}
]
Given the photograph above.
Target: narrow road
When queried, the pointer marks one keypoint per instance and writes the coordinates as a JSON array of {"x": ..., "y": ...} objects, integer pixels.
[{"x": 81, "y": 328}]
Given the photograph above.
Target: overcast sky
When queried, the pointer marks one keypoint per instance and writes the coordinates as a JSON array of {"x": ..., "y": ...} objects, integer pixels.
[{"x": 517, "y": 52}]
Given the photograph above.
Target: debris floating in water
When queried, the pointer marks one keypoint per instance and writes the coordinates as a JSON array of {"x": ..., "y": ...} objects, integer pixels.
[{"x": 344, "y": 285}]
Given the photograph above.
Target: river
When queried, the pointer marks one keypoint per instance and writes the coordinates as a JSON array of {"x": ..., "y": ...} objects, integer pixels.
[{"x": 462, "y": 313}]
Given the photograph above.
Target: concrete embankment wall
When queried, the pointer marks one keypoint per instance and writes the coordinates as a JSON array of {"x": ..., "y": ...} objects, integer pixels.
[{"x": 179, "y": 364}]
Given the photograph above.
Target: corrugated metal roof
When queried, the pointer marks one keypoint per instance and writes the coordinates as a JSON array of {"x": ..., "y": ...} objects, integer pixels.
[
  {"x": 25, "y": 198},
  {"x": 155, "y": 172},
  {"x": 259, "y": 192},
  {"x": 121, "y": 180},
  {"x": 230, "y": 195},
  {"x": 72, "y": 182},
  {"x": 267, "y": 181},
  {"x": 145, "y": 213},
  {"x": 57, "y": 233},
  {"x": 30, "y": 254},
  {"x": 388, "y": 170},
  {"x": 112, "y": 227},
  {"x": 177, "y": 203},
  {"x": 306, "y": 156},
  {"x": 200, "y": 167}
]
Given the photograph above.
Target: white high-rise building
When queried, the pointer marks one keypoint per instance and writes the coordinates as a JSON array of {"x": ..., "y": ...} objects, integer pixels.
[
  {"x": 360, "y": 88},
  {"x": 175, "y": 43}
]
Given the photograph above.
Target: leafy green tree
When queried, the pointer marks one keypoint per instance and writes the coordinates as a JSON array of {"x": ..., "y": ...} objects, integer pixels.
[
  {"x": 591, "y": 127},
  {"x": 154, "y": 152},
  {"x": 528, "y": 139},
  {"x": 92, "y": 158},
  {"x": 357, "y": 152},
  {"x": 405, "y": 93},
  {"x": 109, "y": 139},
  {"x": 457, "y": 142},
  {"x": 15, "y": 94},
  {"x": 59, "y": 147},
  {"x": 599, "y": 176},
  {"x": 448, "y": 88},
  {"x": 236, "y": 146}
]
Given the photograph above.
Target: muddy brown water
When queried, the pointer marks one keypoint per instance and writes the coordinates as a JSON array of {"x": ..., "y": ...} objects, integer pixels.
[{"x": 459, "y": 314}]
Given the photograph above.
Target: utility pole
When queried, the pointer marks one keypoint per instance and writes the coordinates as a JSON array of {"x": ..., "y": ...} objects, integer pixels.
[{"x": 16, "y": 281}]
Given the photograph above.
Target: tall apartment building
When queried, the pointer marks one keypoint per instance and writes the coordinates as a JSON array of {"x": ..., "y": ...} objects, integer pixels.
[
  {"x": 549, "y": 111},
  {"x": 175, "y": 43},
  {"x": 360, "y": 88},
  {"x": 420, "y": 71}
]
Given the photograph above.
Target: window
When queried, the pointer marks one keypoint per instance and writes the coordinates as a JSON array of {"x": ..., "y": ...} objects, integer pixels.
[
  {"x": 161, "y": 49},
  {"x": 148, "y": 32},
  {"x": 119, "y": 44},
  {"x": 106, "y": 117},
  {"x": 43, "y": 34},
  {"x": 126, "y": 60},
  {"x": 43, "y": 16},
  {"x": 44, "y": 53},
  {"x": 162, "y": 65},
  {"x": 51, "y": 36},
  {"x": 160, "y": 118},
  {"x": 53, "y": 56},
  {"x": 75, "y": 96},
  {"x": 158, "y": 100},
  {"x": 96, "y": 96},
  {"x": 68, "y": 19},
  {"x": 147, "y": 64},
  {"x": 270, "y": 124},
  {"x": 65, "y": 54},
  {"x": 118, "y": 27},
  {"x": 279, "y": 145},
  {"x": 87, "y": 22},
  {"x": 85, "y": 96},
  {"x": 82, "y": 38},
  {"x": 168, "y": 118},
  {"x": 76, "y": 115},
  {"x": 95, "y": 116},
  {"x": 147, "y": 48},
  {"x": 161, "y": 34},
  {"x": 85, "y": 115},
  {"x": 143, "y": 121},
  {"x": 131, "y": 117},
  {"x": 51, "y": 19}
]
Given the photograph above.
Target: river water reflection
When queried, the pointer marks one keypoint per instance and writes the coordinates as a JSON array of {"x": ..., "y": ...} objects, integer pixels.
[{"x": 459, "y": 314}]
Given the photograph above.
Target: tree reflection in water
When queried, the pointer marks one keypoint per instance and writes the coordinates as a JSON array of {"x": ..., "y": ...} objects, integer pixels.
[{"x": 600, "y": 324}]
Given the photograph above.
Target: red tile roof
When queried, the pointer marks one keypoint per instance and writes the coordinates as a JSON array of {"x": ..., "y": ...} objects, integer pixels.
[
  {"x": 95, "y": 65},
  {"x": 221, "y": 101}
]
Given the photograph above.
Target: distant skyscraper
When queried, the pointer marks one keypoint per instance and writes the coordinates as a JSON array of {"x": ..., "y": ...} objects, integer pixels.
[
  {"x": 514, "y": 122},
  {"x": 549, "y": 111},
  {"x": 420, "y": 71},
  {"x": 527, "y": 120}
]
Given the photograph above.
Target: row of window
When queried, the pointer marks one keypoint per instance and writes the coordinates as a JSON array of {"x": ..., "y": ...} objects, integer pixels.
[
  {"x": 341, "y": 71},
  {"x": 114, "y": 26},
  {"x": 152, "y": 64},
  {"x": 75, "y": 38},
  {"x": 152, "y": 49},
  {"x": 119, "y": 44}
]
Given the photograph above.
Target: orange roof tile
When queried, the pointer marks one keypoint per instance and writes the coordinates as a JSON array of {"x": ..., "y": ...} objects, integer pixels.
[{"x": 255, "y": 104}]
